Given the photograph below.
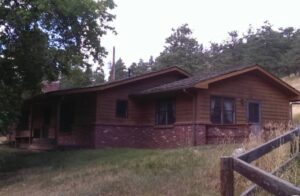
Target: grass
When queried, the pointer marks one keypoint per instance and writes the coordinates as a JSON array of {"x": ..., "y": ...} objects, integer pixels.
[{"x": 188, "y": 171}]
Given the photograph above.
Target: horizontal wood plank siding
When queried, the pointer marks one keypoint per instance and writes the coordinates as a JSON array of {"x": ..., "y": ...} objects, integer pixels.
[
  {"x": 246, "y": 87},
  {"x": 139, "y": 111}
]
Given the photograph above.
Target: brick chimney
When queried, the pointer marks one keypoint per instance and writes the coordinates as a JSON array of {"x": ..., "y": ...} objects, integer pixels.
[{"x": 50, "y": 86}]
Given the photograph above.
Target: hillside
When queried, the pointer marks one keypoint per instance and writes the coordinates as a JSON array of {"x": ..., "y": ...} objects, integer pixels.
[{"x": 295, "y": 82}]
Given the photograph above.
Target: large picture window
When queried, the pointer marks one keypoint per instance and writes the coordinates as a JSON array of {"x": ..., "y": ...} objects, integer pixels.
[
  {"x": 253, "y": 112},
  {"x": 222, "y": 110},
  {"x": 165, "y": 112}
]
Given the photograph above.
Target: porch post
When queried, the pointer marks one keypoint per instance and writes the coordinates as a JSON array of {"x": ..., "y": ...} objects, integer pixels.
[
  {"x": 30, "y": 123},
  {"x": 58, "y": 118}
]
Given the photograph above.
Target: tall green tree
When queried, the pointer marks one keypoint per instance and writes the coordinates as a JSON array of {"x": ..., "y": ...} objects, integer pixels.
[
  {"x": 76, "y": 77},
  {"x": 98, "y": 76},
  {"x": 290, "y": 62},
  {"x": 181, "y": 49},
  {"x": 265, "y": 46},
  {"x": 120, "y": 71},
  {"x": 141, "y": 67},
  {"x": 40, "y": 39}
]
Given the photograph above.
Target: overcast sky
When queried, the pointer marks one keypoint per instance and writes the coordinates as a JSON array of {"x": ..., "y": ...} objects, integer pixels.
[{"x": 143, "y": 25}]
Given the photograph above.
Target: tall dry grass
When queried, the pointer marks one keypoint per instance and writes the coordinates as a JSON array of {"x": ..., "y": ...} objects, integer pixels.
[{"x": 271, "y": 161}]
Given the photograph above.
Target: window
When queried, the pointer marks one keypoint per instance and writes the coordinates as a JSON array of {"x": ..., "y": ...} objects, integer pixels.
[
  {"x": 222, "y": 110},
  {"x": 66, "y": 116},
  {"x": 165, "y": 112},
  {"x": 122, "y": 108},
  {"x": 24, "y": 120},
  {"x": 47, "y": 115},
  {"x": 253, "y": 112}
]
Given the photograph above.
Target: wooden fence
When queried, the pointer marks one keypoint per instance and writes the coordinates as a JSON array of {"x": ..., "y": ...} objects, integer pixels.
[{"x": 267, "y": 181}]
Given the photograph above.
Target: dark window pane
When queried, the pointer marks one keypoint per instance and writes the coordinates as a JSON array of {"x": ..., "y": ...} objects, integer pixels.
[
  {"x": 228, "y": 111},
  {"x": 122, "y": 108},
  {"x": 47, "y": 115},
  {"x": 253, "y": 112},
  {"x": 216, "y": 110},
  {"x": 24, "y": 120},
  {"x": 165, "y": 112},
  {"x": 66, "y": 116}
]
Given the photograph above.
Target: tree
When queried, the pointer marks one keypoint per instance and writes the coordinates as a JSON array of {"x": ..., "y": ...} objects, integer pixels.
[
  {"x": 40, "y": 39},
  {"x": 98, "y": 76},
  {"x": 290, "y": 63},
  {"x": 141, "y": 67},
  {"x": 182, "y": 50},
  {"x": 76, "y": 77},
  {"x": 264, "y": 46},
  {"x": 120, "y": 71}
]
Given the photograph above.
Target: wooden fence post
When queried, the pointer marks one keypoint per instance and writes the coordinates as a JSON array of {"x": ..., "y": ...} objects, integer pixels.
[{"x": 226, "y": 177}]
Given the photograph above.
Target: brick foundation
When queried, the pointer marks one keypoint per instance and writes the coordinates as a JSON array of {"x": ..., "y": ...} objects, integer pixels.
[
  {"x": 226, "y": 134},
  {"x": 81, "y": 136},
  {"x": 178, "y": 135},
  {"x": 149, "y": 136}
]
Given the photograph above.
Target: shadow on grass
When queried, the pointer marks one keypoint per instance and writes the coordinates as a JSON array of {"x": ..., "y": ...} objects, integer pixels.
[{"x": 14, "y": 160}]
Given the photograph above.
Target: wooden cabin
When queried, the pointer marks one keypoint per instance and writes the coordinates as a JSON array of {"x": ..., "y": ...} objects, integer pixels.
[{"x": 162, "y": 109}]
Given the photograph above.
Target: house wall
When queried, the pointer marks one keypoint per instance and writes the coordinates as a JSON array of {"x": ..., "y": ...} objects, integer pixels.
[
  {"x": 274, "y": 103},
  {"x": 139, "y": 129},
  {"x": 97, "y": 126},
  {"x": 274, "y": 106},
  {"x": 138, "y": 112}
]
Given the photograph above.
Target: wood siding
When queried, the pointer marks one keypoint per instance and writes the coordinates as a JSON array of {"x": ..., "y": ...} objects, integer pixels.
[
  {"x": 139, "y": 111},
  {"x": 243, "y": 88}
]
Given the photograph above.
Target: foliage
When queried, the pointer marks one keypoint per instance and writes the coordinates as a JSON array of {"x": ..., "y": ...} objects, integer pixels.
[
  {"x": 40, "y": 39},
  {"x": 98, "y": 76},
  {"x": 141, "y": 67},
  {"x": 77, "y": 77},
  {"x": 181, "y": 49},
  {"x": 120, "y": 70},
  {"x": 275, "y": 50}
]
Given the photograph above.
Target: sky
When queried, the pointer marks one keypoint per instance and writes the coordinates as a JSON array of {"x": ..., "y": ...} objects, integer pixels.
[{"x": 143, "y": 25}]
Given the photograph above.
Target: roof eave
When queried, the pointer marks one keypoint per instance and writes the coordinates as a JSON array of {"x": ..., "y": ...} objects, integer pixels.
[
  {"x": 118, "y": 83},
  {"x": 205, "y": 84}
]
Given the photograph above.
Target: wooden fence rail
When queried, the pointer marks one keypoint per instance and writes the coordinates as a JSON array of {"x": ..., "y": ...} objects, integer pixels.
[{"x": 267, "y": 181}]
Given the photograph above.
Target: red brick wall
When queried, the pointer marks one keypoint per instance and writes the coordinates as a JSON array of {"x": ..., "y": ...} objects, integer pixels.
[
  {"x": 167, "y": 137},
  {"x": 226, "y": 133},
  {"x": 143, "y": 136},
  {"x": 81, "y": 136}
]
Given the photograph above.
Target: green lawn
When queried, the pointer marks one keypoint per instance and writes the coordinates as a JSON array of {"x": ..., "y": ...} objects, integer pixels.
[{"x": 189, "y": 171}]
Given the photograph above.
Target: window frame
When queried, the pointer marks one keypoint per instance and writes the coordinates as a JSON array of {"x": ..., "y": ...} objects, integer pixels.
[
  {"x": 259, "y": 112},
  {"x": 168, "y": 101},
  {"x": 117, "y": 114},
  {"x": 222, "y": 98}
]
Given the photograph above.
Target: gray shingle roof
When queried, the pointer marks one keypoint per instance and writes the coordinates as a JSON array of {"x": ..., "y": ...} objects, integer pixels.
[{"x": 193, "y": 80}]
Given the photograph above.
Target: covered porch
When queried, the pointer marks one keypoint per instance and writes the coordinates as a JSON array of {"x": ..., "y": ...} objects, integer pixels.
[{"x": 50, "y": 121}]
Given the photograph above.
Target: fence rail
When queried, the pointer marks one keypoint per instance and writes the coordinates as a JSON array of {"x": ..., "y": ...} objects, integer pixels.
[{"x": 267, "y": 181}]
